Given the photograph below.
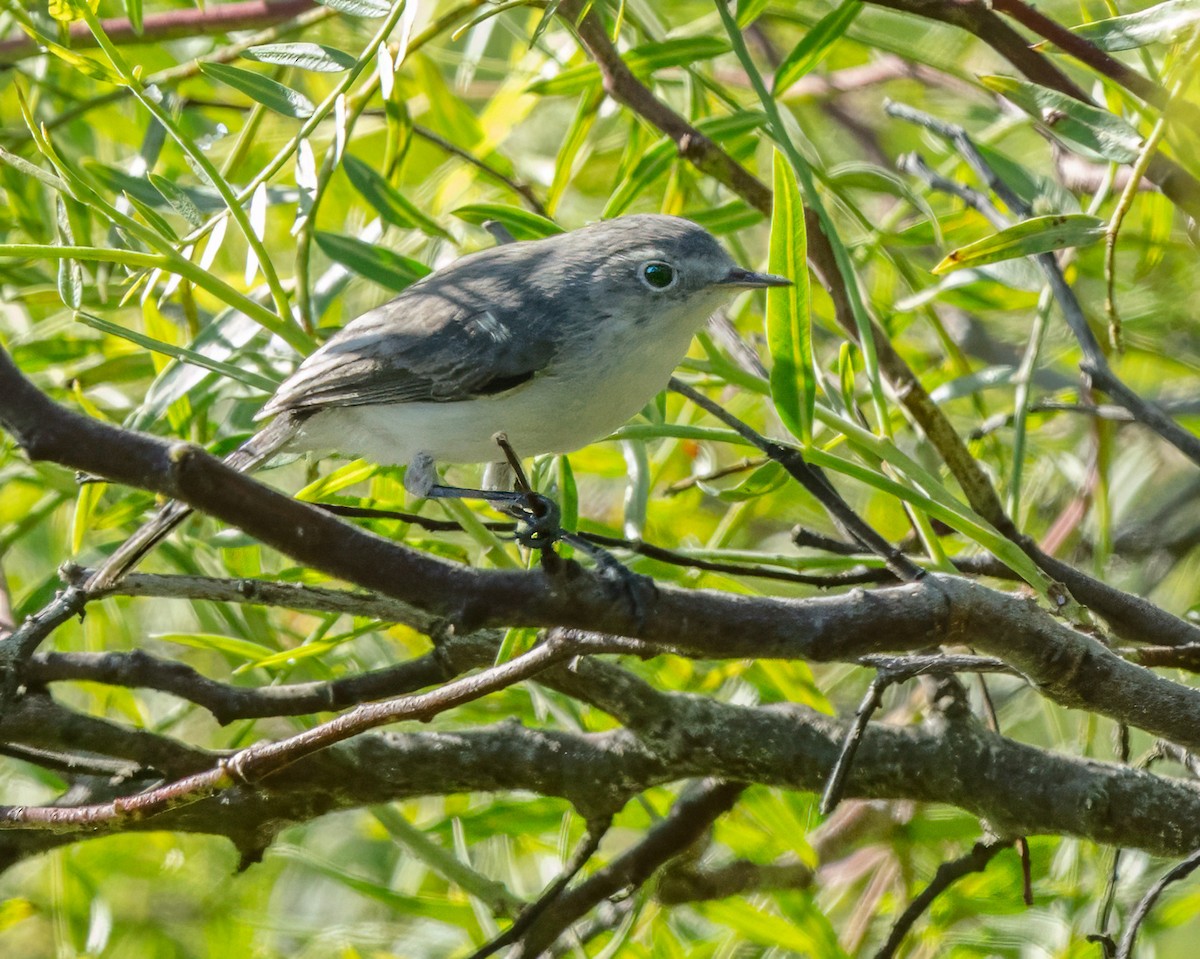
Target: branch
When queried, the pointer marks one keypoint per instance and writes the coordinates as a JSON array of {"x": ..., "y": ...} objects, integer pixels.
[
  {"x": 948, "y": 873},
  {"x": 171, "y": 25},
  {"x": 687, "y": 821}
]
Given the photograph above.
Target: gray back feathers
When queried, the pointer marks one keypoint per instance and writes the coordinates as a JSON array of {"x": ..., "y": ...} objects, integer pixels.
[{"x": 494, "y": 319}]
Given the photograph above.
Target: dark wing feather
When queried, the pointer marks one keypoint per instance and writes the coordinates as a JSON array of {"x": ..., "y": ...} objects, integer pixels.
[{"x": 458, "y": 334}]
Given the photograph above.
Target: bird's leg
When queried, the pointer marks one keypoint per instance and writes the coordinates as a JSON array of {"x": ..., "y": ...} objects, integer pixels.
[
  {"x": 539, "y": 514},
  {"x": 639, "y": 590}
]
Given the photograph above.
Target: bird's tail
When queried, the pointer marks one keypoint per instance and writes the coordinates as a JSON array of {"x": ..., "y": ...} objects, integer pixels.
[{"x": 251, "y": 454}]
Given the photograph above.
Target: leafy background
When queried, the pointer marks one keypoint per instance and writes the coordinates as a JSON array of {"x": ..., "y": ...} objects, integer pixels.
[{"x": 495, "y": 112}]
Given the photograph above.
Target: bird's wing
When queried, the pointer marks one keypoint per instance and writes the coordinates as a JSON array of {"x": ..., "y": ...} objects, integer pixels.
[{"x": 425, "y": 345}]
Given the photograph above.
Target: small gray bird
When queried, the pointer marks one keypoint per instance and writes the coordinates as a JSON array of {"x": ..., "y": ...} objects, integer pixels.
[{"x": 554, "y": 342}]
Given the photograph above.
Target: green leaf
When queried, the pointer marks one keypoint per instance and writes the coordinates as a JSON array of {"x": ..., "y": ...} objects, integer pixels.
[
  {"x": 815, "y": 44},
  {"x": 1041, "y": 234},
  {"x": 179, "y": 200},
  {"x": 641, "y": 61},
  {"x": 377, "y": 263},
  {"x": 271, "y": 94},
  {"x": 70, "y": 273},
  {"x": 766, "y": 479},
  {"x": 387, "y": 201},
  {"x": 304, "y": 56},
  {"x": 1093, "y": 132},
  {"x": 133, "y": 10},
  {"x": 153, "y": 218},
  {"x": 230, "y": 645},
  {"x": 789, "y": 325},
  {"x": 371, "y": 9},
  {"x": 181, "y": 353},
  {"x": 1162, "y": 23},
  {"x": 522, "y": 224},
  {"x": 748, "y": 11}
]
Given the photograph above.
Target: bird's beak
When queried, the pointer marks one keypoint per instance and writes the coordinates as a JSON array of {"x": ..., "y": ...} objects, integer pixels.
[{"x": 748, "y": 280}]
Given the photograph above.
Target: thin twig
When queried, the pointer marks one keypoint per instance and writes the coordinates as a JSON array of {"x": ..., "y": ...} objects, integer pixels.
[
  {"x": 1138, "y": 916},
  {"x": 948, "y": 873},
  {"x": 815, "y": 482},
  {"x": 596, "y": 831}
]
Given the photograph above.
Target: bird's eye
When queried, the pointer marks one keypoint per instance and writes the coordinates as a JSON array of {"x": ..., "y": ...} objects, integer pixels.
[{"x": 658, "y": 275}]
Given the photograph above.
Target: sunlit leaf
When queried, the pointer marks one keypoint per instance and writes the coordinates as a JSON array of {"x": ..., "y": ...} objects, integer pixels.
[
  {"x": 305, "y": 56},
  {"x": 270, "y": 93},
  {"x": 522, "y": 224},
  {"x": 371, "y": 9},
  {"x": 789, "y": 326},
  {"x": 387, "y": 201},
  {"x": 1097, "y": 133},
  {"x": 377, "y": 263},
  {"x": 1041, "y": 234},
  {"x": 816, "y": 43},
  {"x": 642, "y": 60},
  {"x": 1162, "y": 23}
]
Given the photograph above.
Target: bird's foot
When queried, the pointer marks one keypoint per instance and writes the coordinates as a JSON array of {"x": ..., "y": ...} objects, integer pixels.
[
  {"x": 638, "y": 591},
  {"x": 540, "y": 519}
]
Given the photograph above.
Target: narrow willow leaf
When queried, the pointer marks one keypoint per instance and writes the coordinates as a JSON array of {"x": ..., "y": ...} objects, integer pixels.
[
  {"x": 1042, "y": 234},
  {"x": 766, "y": 479},
  {"x": 816, "y": 43},
  {"x": 315, "y": 57},
  {"x": 25, "y": 168},
  {"x": 152, "y": 217},
  {"x": 577, "y": 134},
  {"x": 179, "y": 200},
  {"x": 748, "y": 11},
  {"x": 1162, "y": 23},
  {"x": 230, "y": 645},
  {"x": 522, "y": 224},
  {"x": 133, "y": 10},
  {"x": 653, "y": 164},
  {"x": 641, "y": 60},
  {"x": 1093, "y": 132},
  {"x": 271, "y": 94},
  {"x": 727, "y": 218},
  {"x": 371, "y": 9},
  {"x": 181, "y": 353},
  {"x": 387, "y": 201},
  {"x": 789, "y": 325},
  {"x": 384, "y": 266},
  {"x": 70, "y": 273}
]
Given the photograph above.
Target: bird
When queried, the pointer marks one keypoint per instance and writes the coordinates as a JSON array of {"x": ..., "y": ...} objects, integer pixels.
[{"x": 553, "y": 343}]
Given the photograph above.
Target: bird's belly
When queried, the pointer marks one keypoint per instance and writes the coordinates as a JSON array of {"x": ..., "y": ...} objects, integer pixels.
[{"x": 553, "y": 413}]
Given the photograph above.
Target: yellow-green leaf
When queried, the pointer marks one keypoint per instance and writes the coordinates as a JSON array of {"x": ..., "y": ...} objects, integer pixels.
[
  {"x": 789, "y": 325},
  {"x": 1042, "y": 234}
]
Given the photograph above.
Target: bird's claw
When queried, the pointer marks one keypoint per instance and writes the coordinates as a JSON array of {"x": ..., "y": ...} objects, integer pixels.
[{"x": 540, "y": 521}]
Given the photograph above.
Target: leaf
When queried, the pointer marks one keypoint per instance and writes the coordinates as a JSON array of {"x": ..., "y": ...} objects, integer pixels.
[
  {"x": 522, "y": 224},
  {"x": 133, "y": 10},
  {"x": 377, "y": 263},
  {"x": 815, "y": 44},
  {"x": 70, "y": 273},
  {"x": 271, "y": 94},
  {"x": 387, "y": 201},
  {"x": 25, "y": 168},
  {"x": 789, "y": 325},
  {"x": 766, "y": 479},
  {"x": 1162, "y": 23},
  {"x": 1041, "y": 234},
  {"x": 153, "y": 218},
  {"x": 179, "y": 200},
  {"x": 371, "y": 9},
  {"x": 304, "y": 56},
  {"x": 181, "y": 353},
  {"x": 727, "y": 218},
  {"x": 641, "y": 61},
  {"x": 1095, "y": 133},
  {"x": 230, "y": 645}
]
